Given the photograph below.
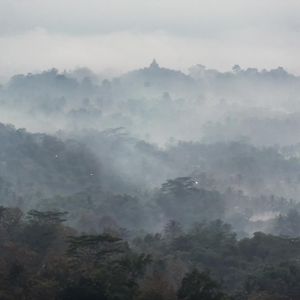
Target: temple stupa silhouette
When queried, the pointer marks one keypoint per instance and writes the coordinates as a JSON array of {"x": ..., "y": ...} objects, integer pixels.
[{"x": 154, "y": 65}]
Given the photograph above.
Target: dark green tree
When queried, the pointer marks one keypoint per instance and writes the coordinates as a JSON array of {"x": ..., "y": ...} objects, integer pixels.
[{"x": 200, "y": 286}]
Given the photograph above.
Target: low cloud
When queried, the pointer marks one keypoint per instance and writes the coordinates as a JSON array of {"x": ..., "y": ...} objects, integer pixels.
[
  {"x": 120, "y": 51},
  {"x": 121, "y": 35}
]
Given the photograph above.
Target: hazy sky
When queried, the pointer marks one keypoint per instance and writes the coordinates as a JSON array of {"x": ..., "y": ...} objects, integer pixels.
[{"x": 123, "y": 34}]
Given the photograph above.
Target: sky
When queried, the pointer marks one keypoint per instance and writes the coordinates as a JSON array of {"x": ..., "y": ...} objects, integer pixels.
[{"x": 113, "y": 36}]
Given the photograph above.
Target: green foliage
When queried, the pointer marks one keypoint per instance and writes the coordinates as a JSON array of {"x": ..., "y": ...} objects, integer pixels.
[
  {"x": 39, "y": 253},
  {"x": 288, "y": 225},
  {"x": 96, "y": 245},
  {"x": 43, "y": 228},
  {"x": 199, "y": 286},
  {"x": 181, "y": 200},
  {"x": 179, "y": 186},
  {"x": 278, "y": 280},
  {"x": 46, "y": 217}
]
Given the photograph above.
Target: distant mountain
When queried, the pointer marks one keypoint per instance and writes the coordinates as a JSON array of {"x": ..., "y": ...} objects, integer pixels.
[
  {"x": 49, "y": 91},
  {"x": 157, "y": 79}
]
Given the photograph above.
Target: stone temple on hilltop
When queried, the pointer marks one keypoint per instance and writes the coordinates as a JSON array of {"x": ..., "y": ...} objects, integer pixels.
[{"x": 154, "y": 65}]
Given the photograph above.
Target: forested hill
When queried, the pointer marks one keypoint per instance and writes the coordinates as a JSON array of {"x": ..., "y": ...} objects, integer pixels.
[
  {"x": 109, "y": 174},
  {"x": 39, "y": 164}
]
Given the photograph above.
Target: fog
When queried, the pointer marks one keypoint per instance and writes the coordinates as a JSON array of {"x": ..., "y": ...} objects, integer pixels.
[
  {"x": 233, "y": 133},
  {"x": 117, "y": 36},
  {"x": 149, "y": 150}
]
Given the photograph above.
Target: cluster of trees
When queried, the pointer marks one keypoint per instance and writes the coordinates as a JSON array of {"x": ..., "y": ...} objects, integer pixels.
[
  {"x": 102, "y": 174},
  {"x": 41, "y": 257},
  {"x": 40, "y": 165}
]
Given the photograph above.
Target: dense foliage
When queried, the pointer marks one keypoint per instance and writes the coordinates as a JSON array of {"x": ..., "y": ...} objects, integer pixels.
[{"x": 43, "y": 258}]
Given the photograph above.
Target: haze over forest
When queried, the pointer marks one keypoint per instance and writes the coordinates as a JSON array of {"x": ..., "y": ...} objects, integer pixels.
[{"x": 149, "y": 152}]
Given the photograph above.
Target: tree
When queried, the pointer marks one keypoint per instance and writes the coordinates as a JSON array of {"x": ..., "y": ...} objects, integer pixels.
[
  {"x": 288, "y": 225},
  {"x": 46, "y": 217},
  {"x": 178, "y": 186},
  {"x": 172, "y": 230},
  {"x": 93, "y": 246},
  {"x": 180, "y": 199},
  {"x": 43, "y": 228},
  {"x": 280, "y": 280},
  {"x": 200, "y": 286}
]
